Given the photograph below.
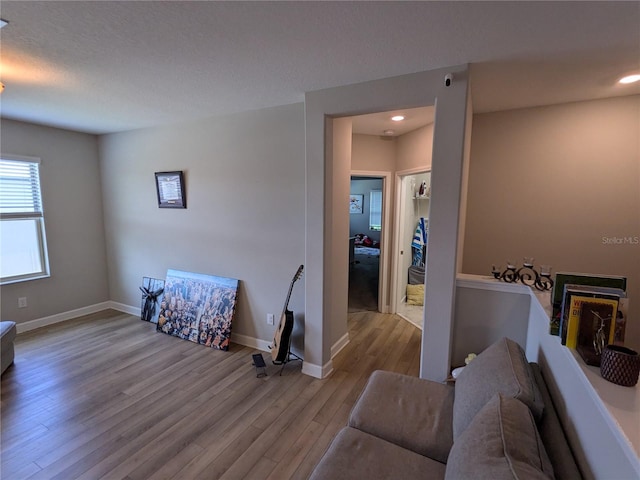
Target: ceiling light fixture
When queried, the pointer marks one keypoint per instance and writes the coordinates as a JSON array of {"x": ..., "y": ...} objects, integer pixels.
[
  {"x": 630, "y": 79},
  {"x": 389, "y": 132},
  {"x": 397, "y": 118}
]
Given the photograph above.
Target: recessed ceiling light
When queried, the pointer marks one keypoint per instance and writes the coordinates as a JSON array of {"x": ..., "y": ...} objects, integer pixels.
[
  {"x": 397, "y": 118},
  {"x": 630, "y": 79},
  {"x": 389, "y": 132}
]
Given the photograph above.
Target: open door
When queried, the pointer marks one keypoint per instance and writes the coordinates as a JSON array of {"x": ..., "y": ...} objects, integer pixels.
[{"x": 411, "y": 236}]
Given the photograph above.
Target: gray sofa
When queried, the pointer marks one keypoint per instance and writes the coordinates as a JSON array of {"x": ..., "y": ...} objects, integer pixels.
[
  {"x": 498, "y": 422},
  {"x": 7, "y": 336}
]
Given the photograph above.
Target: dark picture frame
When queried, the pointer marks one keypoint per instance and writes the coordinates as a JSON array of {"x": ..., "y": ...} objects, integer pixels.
[{"x": 170, "y": 189}]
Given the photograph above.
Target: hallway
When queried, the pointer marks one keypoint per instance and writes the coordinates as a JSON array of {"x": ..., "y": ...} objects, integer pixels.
[{"x": 363, "y": 283}]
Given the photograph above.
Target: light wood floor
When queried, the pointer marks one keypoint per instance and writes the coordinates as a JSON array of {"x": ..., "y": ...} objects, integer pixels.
[{"x": 105, "y": 396}]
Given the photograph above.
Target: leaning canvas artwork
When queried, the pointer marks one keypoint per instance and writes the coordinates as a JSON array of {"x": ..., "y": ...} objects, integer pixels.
[
  {"x": 151, "y": 289},
  {"x": 198, "y": 308}
]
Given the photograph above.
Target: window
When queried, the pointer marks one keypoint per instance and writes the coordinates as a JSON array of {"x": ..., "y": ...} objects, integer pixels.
[
  {"x": 375, "y": 210},
  {"x": 23, "y": 250}
]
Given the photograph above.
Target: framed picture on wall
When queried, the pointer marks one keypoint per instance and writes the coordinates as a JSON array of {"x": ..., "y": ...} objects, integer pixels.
[
  {"x": 356, "y": 203},
  {"x": 170, "y": 189}
]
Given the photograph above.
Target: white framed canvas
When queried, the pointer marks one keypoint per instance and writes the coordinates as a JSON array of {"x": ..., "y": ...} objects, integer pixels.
[{"x": 198, "y": 308}]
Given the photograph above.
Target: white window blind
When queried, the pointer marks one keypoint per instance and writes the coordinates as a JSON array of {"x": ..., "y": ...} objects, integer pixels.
[
  {"x": 375, "y": 210},
  {"x": 23, "y": 251},
  {"x": 20, "y": 188}
]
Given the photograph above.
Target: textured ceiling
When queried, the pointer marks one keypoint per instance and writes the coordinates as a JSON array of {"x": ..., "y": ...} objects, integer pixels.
[{"x": 112, "y": 66}]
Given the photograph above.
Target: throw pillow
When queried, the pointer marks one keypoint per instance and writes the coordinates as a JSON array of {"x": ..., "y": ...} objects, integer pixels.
[
  {"x": 501, "y": 443},
  {"x": 415, "y": 294},
  {"x": 501, "y": 368}
]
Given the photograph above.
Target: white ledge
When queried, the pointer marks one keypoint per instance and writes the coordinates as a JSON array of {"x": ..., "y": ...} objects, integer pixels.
[{"x": 481, "y": 282}]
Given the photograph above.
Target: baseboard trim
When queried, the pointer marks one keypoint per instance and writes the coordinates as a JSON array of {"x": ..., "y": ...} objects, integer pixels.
[
  {"x": 339, "y": 345},
  {"x": 122, "y": 307},
  {"x": 61, "y": 317},
  {"x": 317, "y": 371},
  {"x": 252, "y": 342}
]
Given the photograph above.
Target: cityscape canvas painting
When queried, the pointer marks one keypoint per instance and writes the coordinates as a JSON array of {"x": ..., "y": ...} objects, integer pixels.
[{"x": 198, "y": 308}]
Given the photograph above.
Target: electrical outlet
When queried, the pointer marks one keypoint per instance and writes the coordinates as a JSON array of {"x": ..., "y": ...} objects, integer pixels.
[
  {"x": 270, "y": 318},
  {"x": 22, "y": 302}
]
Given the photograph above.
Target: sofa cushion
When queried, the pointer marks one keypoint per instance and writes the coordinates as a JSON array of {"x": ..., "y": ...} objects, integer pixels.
[
  {"x": 501, "y": 368},
  {"x": 356, "y": 454},
  {"x": 501, "y": 442},
  {"x": 408, "y": 411}
]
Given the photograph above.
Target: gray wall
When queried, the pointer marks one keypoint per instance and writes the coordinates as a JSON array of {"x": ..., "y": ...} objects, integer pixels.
[
  {"x": 245, "y": 217},
  {"x": 72, "y": 200},
  {"x": 548, "y": 182},
  {"x": 551, "y": 183}
]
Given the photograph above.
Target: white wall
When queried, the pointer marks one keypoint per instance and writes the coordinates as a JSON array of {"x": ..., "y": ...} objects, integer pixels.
[
  {"x": 245, "y": 217},
  {"x": 552, "y": 182},
  {"x": 72, "y": 200}
]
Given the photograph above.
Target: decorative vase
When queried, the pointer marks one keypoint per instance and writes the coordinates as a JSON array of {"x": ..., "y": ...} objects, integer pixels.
[{"x": 620, "y": 365}]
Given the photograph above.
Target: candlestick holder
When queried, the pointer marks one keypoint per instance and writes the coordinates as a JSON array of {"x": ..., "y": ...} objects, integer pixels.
[{"x": 526, "y": 274}]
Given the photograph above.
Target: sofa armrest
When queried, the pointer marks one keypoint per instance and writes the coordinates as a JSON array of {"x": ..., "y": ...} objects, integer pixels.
[
  {"x": 410, "y": 412},
  {"x": 552, "y": 434}
]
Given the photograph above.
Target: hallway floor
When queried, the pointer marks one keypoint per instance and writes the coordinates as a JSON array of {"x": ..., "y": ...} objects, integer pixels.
[
  {"x": 412, "y": 314},
  {"x": 363, "y": 283}
]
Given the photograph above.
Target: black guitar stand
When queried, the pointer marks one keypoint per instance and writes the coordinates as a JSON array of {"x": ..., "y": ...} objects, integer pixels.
[
  {"x": 261, "y": 367},
  {"x": 288, "y": 358}
]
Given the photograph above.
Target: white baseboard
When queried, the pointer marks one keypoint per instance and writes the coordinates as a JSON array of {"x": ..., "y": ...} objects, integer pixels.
[
  {"x": 122, "y": 307},
  {"x": 317, "y": 371},
  {"x": 339, "y": 345},
  {"x": 61, "y": 317},
  {"x": 252, "y": 342}
]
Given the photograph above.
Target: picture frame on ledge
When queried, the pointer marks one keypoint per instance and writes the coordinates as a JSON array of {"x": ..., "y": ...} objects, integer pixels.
[{"x": 170, "y": 189}]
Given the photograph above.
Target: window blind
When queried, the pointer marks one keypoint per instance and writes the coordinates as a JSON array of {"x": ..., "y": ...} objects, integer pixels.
[
  {"x": 375, "y": 210},
  {"x": 20, "y": 189}
]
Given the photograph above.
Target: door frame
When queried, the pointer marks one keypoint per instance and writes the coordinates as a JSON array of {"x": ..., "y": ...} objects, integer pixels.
[
  {"x": 398, "y": 216},
  {"x": 385, "y": 267}
]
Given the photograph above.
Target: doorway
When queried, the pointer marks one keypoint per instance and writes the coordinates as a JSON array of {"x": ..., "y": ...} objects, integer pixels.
[
  {"x": 412, "y": 231},
  {"x": 365, "y": 235},
  {"x": 326, "y": 228}
]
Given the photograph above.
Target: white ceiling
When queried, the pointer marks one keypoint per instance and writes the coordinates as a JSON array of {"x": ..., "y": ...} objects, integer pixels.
[
  {"x": 112, "y": 66},
  {"x": 381, "y": 123}
]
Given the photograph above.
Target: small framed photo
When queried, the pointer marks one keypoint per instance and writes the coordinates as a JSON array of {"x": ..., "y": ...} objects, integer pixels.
[
  {"x": 170, "y": 188},
  {"x": 356, "y": 203}
]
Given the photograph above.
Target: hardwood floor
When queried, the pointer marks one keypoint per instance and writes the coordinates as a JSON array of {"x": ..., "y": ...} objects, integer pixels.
[{"x": 105, "y": 396}]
